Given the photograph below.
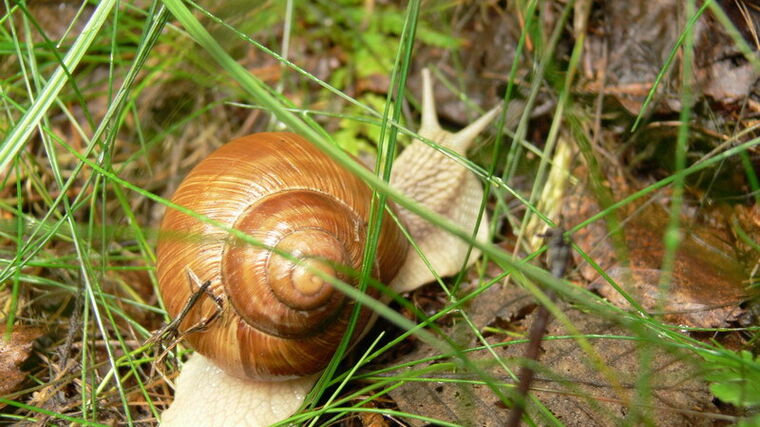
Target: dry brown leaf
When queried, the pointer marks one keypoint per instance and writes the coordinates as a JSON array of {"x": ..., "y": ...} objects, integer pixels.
[
  {"x": 746, "y": 220},
  {"x": 13, "y": 353},
  {"x": 585, "y": 396},
  {"x": 633, "y": 39},
  {"x": 370, "y": 419},
  {"x": 720, "y": 68},
  {"x": 708, "y": 282},
  {"x": 569, "y": 385}
]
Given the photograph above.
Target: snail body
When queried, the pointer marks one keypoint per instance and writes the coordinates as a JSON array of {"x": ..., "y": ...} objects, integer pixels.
[
  {"x": 276, "y": 324},
  {"x": 444, "y": 186}
]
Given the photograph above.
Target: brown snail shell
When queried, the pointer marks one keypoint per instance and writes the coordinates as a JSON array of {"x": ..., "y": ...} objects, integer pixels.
[{"x": 278, "y": 320}]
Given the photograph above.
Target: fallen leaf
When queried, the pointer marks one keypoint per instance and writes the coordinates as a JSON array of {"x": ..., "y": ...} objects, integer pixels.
[
  {"x": 568, "y": 384},
  {"x": 633, "y": 39},
  {"x": 708, "y": 282},
  {"x": 13, "y": 353}
]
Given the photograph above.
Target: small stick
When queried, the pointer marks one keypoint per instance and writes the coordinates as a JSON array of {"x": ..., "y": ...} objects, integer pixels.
[
  {"x": 170, "y": 332},
  {"x": 558, "y": 256}
]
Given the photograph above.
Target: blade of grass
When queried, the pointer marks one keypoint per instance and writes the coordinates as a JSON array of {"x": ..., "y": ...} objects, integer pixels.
[
  {"x": 21, "y": 132},
  {"x": 693, "y": 18}
]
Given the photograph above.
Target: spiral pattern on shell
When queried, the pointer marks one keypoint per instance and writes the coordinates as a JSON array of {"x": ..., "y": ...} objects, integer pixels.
[{"x": 278, "y": 320}]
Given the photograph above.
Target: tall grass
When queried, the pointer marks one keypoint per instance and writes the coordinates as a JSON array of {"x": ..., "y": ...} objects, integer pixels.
[{"x": 101, "y": 121}]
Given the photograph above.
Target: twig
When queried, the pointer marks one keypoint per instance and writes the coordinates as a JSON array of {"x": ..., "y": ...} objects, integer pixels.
[
  {"x": 171, "y": 333},
  {"x": 557, "y": 258}
]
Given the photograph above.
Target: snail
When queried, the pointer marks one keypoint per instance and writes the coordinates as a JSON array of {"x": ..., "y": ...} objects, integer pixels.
[{"x": 270, "y": 324}]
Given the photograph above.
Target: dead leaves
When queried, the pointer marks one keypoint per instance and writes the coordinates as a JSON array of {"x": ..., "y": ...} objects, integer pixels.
[
  {"x": 13, "y": 353},
  {"x": 623, "y": 375},
  {"x": 631, "y": 40},
  {"x": 575, "y": 386},
  {"x": 708, "y": 282}
]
